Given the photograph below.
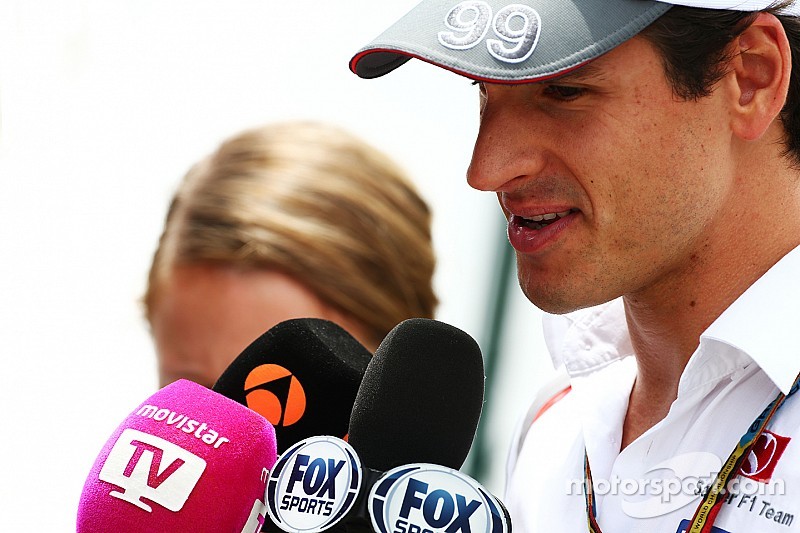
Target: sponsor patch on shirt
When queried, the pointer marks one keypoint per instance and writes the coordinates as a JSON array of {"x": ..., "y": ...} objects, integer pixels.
[{"x": 760, "y": 463}]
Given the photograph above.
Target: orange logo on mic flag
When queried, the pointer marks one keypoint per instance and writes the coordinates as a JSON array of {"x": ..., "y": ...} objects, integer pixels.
[{"x": 274, "y": 393}]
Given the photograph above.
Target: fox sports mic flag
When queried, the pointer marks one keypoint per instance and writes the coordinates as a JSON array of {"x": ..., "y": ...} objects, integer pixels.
[
  {"x": 425, "y": 497},
  {"x": 187, "y": 459},
  {"x": 314, "y": 485}
]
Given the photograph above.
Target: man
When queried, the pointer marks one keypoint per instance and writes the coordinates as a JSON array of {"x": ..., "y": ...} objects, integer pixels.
[{"x": 646, "y": 157}]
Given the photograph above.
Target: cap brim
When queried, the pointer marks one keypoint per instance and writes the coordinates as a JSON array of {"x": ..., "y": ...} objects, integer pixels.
[{"x": 495, "y": 40}]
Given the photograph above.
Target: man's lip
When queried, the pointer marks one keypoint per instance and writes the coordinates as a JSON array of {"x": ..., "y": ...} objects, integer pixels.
[
  {"x": 544, "y": 216},
  {"x": 530, "y": 212},
  {"x": 527, "y": 240}
]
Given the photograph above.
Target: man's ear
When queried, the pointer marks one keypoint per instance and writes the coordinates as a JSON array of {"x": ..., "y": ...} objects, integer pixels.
[{"x": 761, "y": 70}]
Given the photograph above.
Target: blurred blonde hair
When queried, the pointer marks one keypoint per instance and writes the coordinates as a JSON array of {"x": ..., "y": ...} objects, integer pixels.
[{"x": 316, "y": 203}]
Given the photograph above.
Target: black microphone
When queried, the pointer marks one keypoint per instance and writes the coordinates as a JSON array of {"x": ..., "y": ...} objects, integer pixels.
[
  {"x": 302, "y": 375},
  {"x": 419, "y": 402},
  {"x": 420, "y": 399}
]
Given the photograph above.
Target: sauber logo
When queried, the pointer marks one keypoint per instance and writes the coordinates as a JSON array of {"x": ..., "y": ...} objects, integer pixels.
[
  {"x": 761, "y": 461},
  {"x": 274, "y": 393},
  {"x": 146, "y": 466}
]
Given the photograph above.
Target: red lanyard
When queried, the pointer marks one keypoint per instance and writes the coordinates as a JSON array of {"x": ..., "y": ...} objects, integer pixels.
[{"x": 707, "y": 511}]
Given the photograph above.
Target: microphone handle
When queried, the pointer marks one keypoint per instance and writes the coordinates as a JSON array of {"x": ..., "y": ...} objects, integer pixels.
[
  {"x": 359, "y": 525},
  {"x": 358, "y": 519}
]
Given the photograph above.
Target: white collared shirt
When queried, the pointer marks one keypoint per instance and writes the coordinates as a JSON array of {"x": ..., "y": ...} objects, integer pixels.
[{"x": 750, "y": 352}]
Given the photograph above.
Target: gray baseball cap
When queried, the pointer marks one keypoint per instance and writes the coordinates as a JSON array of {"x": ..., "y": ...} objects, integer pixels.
[{"x": 518, "y": 41}]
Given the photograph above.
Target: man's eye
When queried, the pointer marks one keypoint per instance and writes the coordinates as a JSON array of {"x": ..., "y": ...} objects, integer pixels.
[{"x": 564, "y": 92}]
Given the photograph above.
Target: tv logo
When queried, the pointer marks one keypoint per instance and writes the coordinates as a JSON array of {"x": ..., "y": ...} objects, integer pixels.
[
  {"x": 276, "y": 394},
  {"x": 313, "y": 484},
  {"x": 425, "y": 498},
  {"x": 146, "y": 466}
]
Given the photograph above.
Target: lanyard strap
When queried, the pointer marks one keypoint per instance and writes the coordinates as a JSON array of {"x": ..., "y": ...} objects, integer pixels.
[
  {"x": 707, "y": 511},
  {"x": 588, "y": 491}
]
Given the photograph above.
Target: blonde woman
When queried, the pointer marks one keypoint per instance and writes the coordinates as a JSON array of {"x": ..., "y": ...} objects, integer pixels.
[{"x": 289, "y": 220}]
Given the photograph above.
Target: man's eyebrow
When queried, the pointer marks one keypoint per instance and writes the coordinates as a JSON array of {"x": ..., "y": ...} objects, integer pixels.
[{"x": 587, "y": 72}]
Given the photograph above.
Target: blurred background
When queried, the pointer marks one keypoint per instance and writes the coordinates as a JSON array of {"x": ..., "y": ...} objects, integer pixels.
[{"x": 104, "y": 105}]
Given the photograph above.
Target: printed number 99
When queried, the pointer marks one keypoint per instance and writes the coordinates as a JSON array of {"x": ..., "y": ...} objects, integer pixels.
[{"x": 516, "y": 25}]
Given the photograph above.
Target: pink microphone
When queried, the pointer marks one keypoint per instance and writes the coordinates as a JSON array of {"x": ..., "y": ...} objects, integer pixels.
[{"x": 187, "y": 459}]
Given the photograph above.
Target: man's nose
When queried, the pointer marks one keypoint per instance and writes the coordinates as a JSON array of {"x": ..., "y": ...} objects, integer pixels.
[{"x": 508, "y": 148}]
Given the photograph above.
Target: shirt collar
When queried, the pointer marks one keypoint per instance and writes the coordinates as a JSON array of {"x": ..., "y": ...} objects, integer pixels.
[
  {"x": 762, "y": 320},
  {"x": 758, "y": 323},
  {"x": 588, "y": 339}
]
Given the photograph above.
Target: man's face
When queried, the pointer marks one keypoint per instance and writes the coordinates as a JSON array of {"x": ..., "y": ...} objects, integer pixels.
[{"x": 627, "y": 176}]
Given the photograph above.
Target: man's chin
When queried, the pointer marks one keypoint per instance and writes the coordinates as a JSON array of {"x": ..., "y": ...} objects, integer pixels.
[{"x": 555, "y": 303}]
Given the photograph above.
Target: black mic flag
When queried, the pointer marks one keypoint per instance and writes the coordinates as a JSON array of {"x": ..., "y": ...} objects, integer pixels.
[{"x": 302, "y": 375}]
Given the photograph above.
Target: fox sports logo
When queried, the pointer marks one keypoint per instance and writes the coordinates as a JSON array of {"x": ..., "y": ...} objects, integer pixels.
[
  {"x": 313, "y": 485},
  {"x": 425, "y": 498}
]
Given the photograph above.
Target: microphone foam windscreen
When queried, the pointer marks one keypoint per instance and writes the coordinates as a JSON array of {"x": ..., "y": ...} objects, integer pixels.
[
  {"x": 187, "y": 459},
  {"x": 420, "y": 399},
  {"x": 302, "y": 375}
]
